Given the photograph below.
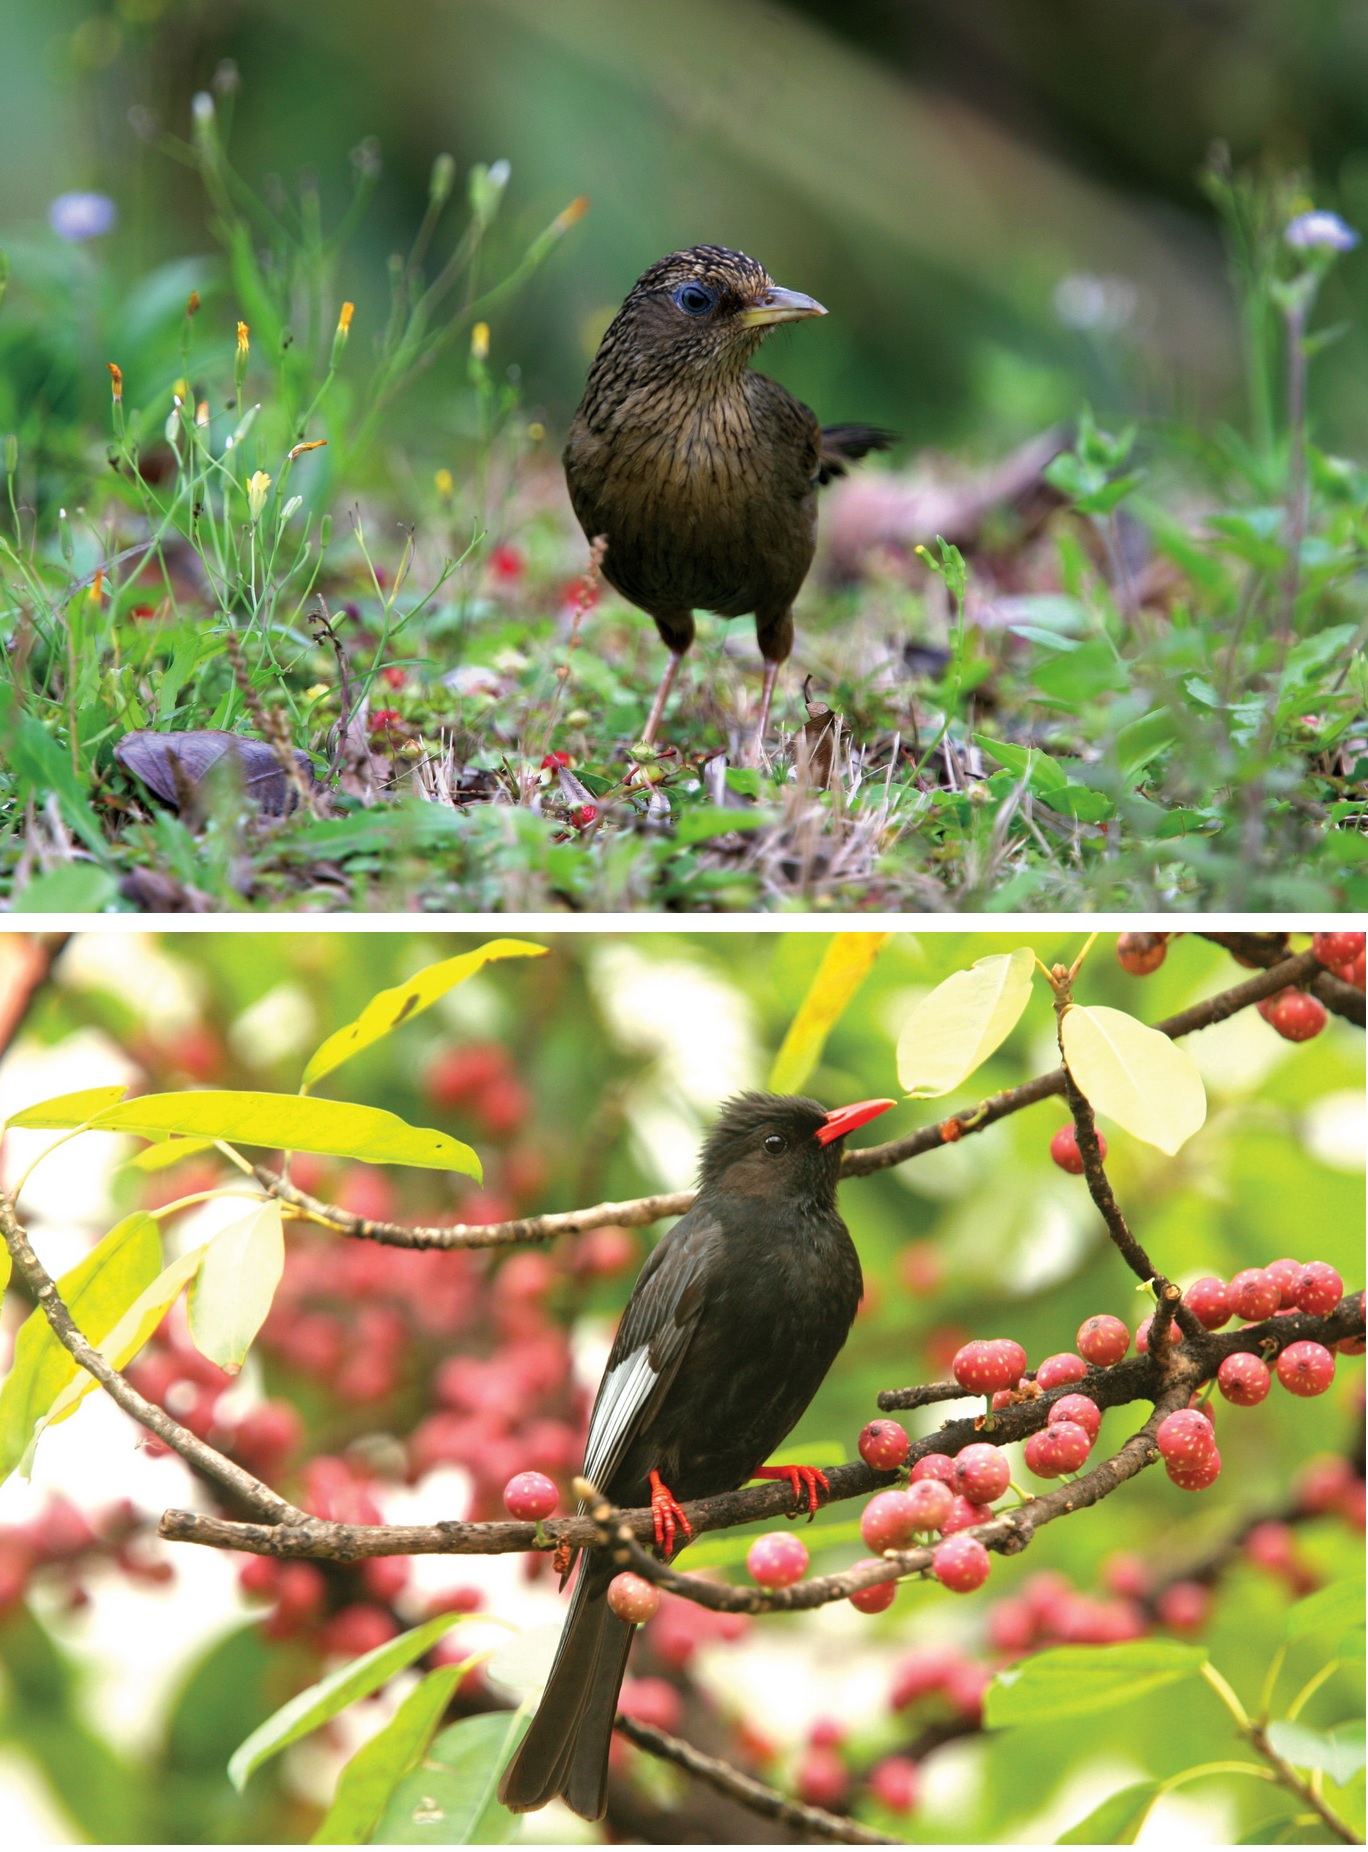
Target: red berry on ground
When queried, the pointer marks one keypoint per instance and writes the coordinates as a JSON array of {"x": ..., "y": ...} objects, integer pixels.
[
  {"x": 1064, "y": 1367},
  {"x": 1319, "y": 1288},
  {"x": 929, "y": 1504},
  {"x": 1065, "y": 1152},
  {"x": 1102, "y": 1340},
  {"x": 1184, "y": 1438},
  {"x": 1337, "y": 948},
  {"x": 1183, "y": 1607},
  {"x": 935, "y": 1466},
  {"x": 986, "y": 1364},
  {"x": 889, "y": 1521},
  {"x": 895, "y": 1783},
  {"x": 873, "y": 1600},
  {"x": 982, "y": 1473},
  {"x": 1287, "y": 1273},
  {"x": 1209, "y": 1301},
  {"x": 883, "y": 1444},
  {"x": 1255, "y": 1294},
  {"x": 961, "y": 1564},
  {"x": 1141, "y": 952},
  {"x": 1306, "y": 1368},
  {"x": 1295, "y": 1014},
  {"x": 1077, "y": 1408},
  {"x": 530, "y": 1495},
  {"x": 632, "y": 1597},
  {"x": 777, "y": 1559},
  {"x": 1198, "y": 1477},
  {"x": 1243, "y": 1379}
]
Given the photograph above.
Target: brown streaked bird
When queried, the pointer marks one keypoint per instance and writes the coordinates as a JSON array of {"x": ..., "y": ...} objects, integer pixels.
[{"x": 702, "y": 474}]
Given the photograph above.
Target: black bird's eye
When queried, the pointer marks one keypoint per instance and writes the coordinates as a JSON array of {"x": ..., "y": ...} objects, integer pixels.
[
  {"x": 694, "y": 299},
  {"x": 775, "y": 1143}
]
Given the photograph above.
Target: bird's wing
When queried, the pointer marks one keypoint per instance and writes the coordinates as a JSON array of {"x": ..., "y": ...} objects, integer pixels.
[
  {"x": 846, "y": 443},
  {"x": 652, "y": 1338}
]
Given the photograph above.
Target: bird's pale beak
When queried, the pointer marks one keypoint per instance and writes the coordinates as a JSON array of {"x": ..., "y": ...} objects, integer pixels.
[
  {"x": 847, "y": 1118},
  {"x": 779, "y": 305}
]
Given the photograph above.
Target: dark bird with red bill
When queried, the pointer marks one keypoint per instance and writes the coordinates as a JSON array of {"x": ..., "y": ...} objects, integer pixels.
[
  {"x": 732, "y": 1325},
  {"x": 701, "y": 474}
]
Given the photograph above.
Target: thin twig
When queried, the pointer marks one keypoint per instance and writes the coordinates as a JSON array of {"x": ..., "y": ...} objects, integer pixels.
[
  {"x": 1257, "y": 1738},
  {"x": 747, "y": 1790}
]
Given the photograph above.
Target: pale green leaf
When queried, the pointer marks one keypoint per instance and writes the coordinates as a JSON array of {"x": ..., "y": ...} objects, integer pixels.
[
  {"x": 1338, "y": 1753},
  {"x": 1335, "y": 1607},
  {"x": 844, "y": 967},
  {"x": 379, "y": 1765},
  {"x": 957, "y": 1027},
  {"x": 1117, "y": 1821},
  {"x": 1134, "y": 1075},
  {"x": 389, "y": 1008},
  {"x": 451, "y": 1799},
  {"x": 74, "y": 1108},
  {"x": 96, "y": 1291},
  {"x": 1075, "y": 1681},
  {"x": 317, "y": 1703},
  {"x": 235, "y": 1284},
  {"x": 168, "y": 1151},
  {"x": 284, "y": 1121}
]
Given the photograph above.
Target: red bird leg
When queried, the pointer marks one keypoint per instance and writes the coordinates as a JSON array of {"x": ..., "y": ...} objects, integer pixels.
[
  {"x": 804, "y": 1480},
  {"x": 667, "y": 1514}
]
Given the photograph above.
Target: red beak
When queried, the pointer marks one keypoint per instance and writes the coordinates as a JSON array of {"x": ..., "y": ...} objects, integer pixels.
[{"x": 847, "y": 1118}]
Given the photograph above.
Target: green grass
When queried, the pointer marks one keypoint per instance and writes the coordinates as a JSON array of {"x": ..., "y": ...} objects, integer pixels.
[{"x": 1169, "y": 714}]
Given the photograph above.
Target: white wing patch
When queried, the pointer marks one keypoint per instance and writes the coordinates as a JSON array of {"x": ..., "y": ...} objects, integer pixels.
[{"x": 626, "y": 1389}]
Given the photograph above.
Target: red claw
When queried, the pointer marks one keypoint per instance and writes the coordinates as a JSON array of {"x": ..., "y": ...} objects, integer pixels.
[
  {"x": 667, "y": 1514},
  {"x": 804, "y": 1480}
]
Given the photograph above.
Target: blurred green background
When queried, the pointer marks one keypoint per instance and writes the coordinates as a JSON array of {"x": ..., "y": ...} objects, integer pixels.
[{"x": 999, "y": 203}]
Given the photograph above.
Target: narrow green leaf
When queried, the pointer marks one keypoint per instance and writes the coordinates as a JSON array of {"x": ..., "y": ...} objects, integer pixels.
[
  {"x": 235, "y": 1284},
  {"x": 334, "y": 1128},
  {"x": 314, "y": 1706},
  {"x": 845, "y": 965},
  {"x": 96, "y": 1291},
  {"x": 70, "y": 1109},
  {"x": 1028, "y": 762},
  {"x": 1338, "y": 1753},
  {"x": 389, "y": 1008},
  {"x": 1117, "y": 1821},
  {"x": 1074, "y": 1681},
  {"x": 1337, "y": 1606},
  {"x": 166, "y": 1152},
  {"x": 377, "y": 1768},
  {"x": 450, "y": 1800}
]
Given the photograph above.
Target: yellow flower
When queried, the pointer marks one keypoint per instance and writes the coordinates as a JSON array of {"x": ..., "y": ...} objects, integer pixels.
[
  {"x": 257, "y": 490},
  {"x": 243, "y": 342},
  {"x": 115, "y": 380},
  {"x": 445, "y": 483},
  {"x": 479, "y": 341},
  {"x": 344, "y": 318}
]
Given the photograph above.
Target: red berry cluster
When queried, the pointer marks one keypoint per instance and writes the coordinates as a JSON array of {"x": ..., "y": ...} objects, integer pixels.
[
  {"x": 1343, "y": 954},
  {"x": 61, "y": 1545}
]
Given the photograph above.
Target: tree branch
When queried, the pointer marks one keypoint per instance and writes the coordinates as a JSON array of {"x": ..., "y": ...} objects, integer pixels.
[
  {"x": 1257, "y": 1737},
  {"x": 1269, "y": 950},
  {"x": 639, "y": 1212},
  {"x": 746, "y": 1789}
]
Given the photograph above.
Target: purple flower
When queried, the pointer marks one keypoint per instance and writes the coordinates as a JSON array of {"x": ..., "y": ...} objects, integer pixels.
[
  {"x": 77, "y": 216},
  {"x": 1320, "y": 231}
]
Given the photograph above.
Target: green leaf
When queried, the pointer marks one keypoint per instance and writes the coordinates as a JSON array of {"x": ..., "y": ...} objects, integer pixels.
[
  {"x": 450, "y": 1800},
  {"x": 373, "y": 1773},
  {"x": 1142, "y": 740},
  {"x": 235, "y": 1284},
  {"x": 96, "y": 1291},
  {"x": 957, "y": 1027},
  {"x": 1134, "y": 1074},
  {"x": 1283, "y": 1829},
  {"x": 1337, "y": 1606},
  {"x": 1028, "y": 762},
  {"x": 844, "y": 967},
  {"x": 1089, "y": 670},
  {"x": 75, "y": 887},
  {"x": 74, "y": 1108},
  {"x": 168, "y": 1151},
  {"x": 1338, "y": 1753},
  {"x": 1075, "y": 1681},
  {"x": 315, "y": 1705},
  {"x": 1117, "y": 1821},
  {"x": 389, "y": 1008},
  {"x": 1081, "y": 802},
  {"x": 334, "y": 1128},
  {"x": 709, "y": 820}
]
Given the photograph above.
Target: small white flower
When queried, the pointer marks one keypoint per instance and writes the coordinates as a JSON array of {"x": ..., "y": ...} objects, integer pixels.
[
  {"x": 1320, "y": 231},
  {"x": 77, "y": 216},
  {"x": 293, "y": 506}
]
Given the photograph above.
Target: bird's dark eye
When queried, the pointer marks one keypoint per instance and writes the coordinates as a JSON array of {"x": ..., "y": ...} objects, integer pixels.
[
  {"x": 775, "y": 1143},
  {"x": 694, "y": 299}
]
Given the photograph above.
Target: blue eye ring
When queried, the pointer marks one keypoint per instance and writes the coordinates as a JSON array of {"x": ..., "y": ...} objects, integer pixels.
[{"x": 695, "y": 298}]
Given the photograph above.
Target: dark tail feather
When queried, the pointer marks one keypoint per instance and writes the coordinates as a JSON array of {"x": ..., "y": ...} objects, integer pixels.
[
  {"x": 847, "y": 443},
  {"x": 565, "y": 1750}
]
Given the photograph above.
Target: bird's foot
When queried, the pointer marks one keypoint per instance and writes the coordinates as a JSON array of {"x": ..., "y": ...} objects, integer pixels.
[
  {"x": 667, "y": 1514},
  {"x": 804, "y": 1480}
]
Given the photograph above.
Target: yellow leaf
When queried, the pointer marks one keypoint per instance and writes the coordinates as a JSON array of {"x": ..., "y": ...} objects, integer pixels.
[
  {"x": 235, "y": 1285},
  {"x": 840, "y": 974},
  {"x": 388, "y": 1008},
  {"x": 168, "y": 1151},
  {"x": 1134, "y": 1074},
  {"x": 958, "y": 1026}
]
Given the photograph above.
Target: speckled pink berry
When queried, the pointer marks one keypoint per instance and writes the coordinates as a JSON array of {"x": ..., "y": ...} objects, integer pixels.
[
  {"x": 888, "y": 1521},
  {"x": 1243, "y": 1379},
  {"x": 961, "y": 1564},
  {"x": 982, "y": 1473},
  {"x": 1319, "y": 1288},
  {"x": 873, "y": 1600},
  {"x": 1255, "y": 1294},
  {"x": 1197, "y": 1477},
  {"x": 1063, "y": 1367},
  {"x": 935, "y": 1466},
  {"x": 1184, "y": 1438},
  {"x": 1306, "y": 1368},
  {"x": 1102, "y": 1340},
  {"x": 1209, "y": 1301},
  {"x": 633, "y": 1598},
  {"x": 883, "y": 1444},
  {"x": 986, "y": 1364},
  {"x": 929, "y": 1503},
  {"x": 530, "y": 1495},
  {"x": 1078, "y": 1408},
  {"x": 777, "y": 1559}
]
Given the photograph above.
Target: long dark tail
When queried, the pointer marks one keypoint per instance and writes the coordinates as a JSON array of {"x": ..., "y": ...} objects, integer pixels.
[
  {"x": 565, "y": 1750},
  {"x": 847, "y": 443}
]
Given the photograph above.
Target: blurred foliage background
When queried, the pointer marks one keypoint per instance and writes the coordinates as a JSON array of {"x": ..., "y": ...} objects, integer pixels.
[
  {"x": 590, "y": 1074},
  {"x": 1000, "y": 204}
]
